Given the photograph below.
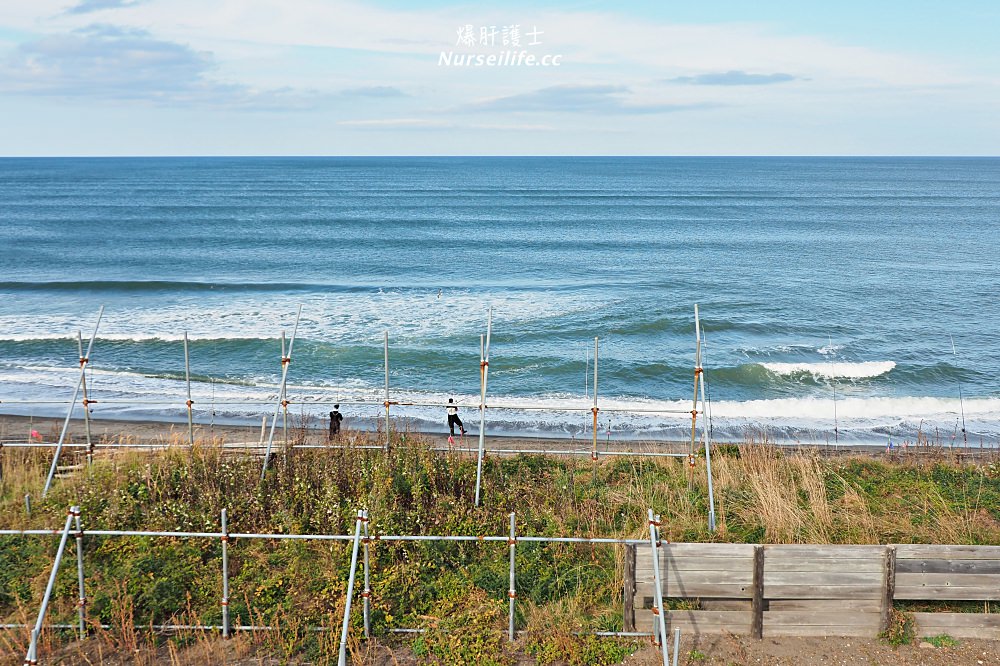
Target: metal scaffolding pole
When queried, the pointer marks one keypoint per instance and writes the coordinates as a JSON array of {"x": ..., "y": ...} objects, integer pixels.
[
  {"x": 594, "y": 410},
  {"x": 484, "y": 371},
  {"x": 187, "y": 378},
  {"x": 386, "y": 348},
  {"x": 512, "y": 590},
  {"x": 225, "y": 575},
  {"x": 658, "y": 610},
  {"x": 285, "y": 361},
  {"x": 694, "y": 402},
  {"x": 82, "y": 603},
  {"x": 86, "y": 401},
  {"x": 704, "y": 432},
  {"x": 72, "y": 403},
  {"x": 366, "y": 595},
  {"x": 362, "y": 517},
  {"x": 31, "y": 658}
]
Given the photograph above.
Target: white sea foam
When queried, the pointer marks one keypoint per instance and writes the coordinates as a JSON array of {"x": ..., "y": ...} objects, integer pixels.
[
  {"x": 862, "y": 370},
  {"x": 335, "y": 317},
  {"x": 133, "y": 395}
]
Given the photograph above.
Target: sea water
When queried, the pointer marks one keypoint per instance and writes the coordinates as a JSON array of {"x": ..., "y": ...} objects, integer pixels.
[{"x": 831, "y": 291}]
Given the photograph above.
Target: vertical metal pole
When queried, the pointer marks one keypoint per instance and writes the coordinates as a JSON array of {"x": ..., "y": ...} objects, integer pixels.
[
  {"x": 694, "y": 401},
  {"x": 386, "y": 349},
  {"x": 484, "y": 372},
  {"x": 594, "y": 410},
  {"x": 82, "y": 604},
  {"x": 72, "y": 404},
  {"x": 187, "y": 378},
  {"x": 661, "y": 625},
  {"x": 285, "y": 361},
  {"x": 284, "y": 397},
  {"x": 511, "y": 592},
  {"x": 367, "y": 594},
  {"x": 704, "y": 434},
  {"x": 86, "y": 402},
  {"x": 225, "y": 576},
  {"x": 677, "y": 644},
  {"x": 27, "y": 504},
  {"x": 32, "y": 656},
  {"x": 350, "y": 589}
]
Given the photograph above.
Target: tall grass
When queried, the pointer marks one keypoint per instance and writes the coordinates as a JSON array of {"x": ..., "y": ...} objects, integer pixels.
[{"x": 763, "y": 493}]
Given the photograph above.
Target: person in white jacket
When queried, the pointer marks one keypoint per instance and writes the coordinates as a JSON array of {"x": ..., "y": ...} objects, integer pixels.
[{"x": 453, "y": 419}]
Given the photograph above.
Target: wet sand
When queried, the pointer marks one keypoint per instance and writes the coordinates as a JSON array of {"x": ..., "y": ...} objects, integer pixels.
[{"x": 148, "y": 434}]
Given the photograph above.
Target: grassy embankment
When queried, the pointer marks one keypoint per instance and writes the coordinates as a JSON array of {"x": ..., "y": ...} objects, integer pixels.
[{"x": 455, "y": 590}]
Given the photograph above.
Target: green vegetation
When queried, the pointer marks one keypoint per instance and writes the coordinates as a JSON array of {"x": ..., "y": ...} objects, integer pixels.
[
  {"x": 901, "y": 630},
  {"x": 455, "y": 591},
  {"x": 942, "y": 641}
]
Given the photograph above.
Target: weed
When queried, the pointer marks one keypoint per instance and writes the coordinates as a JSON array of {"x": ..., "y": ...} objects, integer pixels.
[
  {"x": 941, "y": 641},
  {"x": 901, "y": 630}
]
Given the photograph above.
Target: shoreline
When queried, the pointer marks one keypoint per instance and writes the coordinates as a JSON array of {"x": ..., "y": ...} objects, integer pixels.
[{"x": 15, "y": 432}]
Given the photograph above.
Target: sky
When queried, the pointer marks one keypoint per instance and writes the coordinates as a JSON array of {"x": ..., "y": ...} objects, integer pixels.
[{"x": 431, "y": 77}]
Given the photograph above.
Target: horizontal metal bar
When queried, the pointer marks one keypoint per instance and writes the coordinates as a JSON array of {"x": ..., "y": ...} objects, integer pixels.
[{"x": 330, "y": 537}]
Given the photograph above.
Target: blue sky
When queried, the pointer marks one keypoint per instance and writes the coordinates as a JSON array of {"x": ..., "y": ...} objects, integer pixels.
[{"x": 328, "y": 77}]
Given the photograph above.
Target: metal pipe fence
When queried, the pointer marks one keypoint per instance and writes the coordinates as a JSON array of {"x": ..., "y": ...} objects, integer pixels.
[{"x": 360, "y": 540}]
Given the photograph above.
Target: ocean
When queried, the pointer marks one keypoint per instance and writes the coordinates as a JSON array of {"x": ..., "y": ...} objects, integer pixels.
[{"x": 841, "y": 299}]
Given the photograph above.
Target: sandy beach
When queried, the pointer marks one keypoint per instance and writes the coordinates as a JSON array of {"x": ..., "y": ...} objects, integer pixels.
[{"x": 15, "y": 430}]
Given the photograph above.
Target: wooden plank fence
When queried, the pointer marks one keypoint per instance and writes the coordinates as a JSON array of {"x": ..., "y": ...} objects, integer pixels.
[{"x": 811, "y": 590}]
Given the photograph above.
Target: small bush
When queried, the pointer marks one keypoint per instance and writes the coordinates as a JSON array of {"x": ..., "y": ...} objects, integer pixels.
[{"x": 901, "y": 629}]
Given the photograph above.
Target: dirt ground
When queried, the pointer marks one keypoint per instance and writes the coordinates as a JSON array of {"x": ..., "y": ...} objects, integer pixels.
[
  {"x": 739, "y": 650},
  {"x": 727, "y": 650}
]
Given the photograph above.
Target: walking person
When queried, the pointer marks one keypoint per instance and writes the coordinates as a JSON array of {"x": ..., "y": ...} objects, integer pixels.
[
  {"x": 453, "y": 419},
  {"x": 335, "y": 420}
]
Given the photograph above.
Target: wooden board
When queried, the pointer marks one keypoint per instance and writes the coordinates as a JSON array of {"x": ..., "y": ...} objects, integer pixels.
[
  {"x": 822, "y": 605},
  {"x": 819, "y": 578},
  {"x": 821, "y": 590},
  {"x": 699, "y": 591},
  {"x": 934, "y": 566},
  {"x": 947, "y": 593},
  {"x": 698, "y": 622},
  {"x": 645, "y": 562},
  {"x": 820, "y": 552},
  {"x": 873, "y": 591},
  {"x": 844, "y": 564},
  {"x": 958, "y": 625},
  {"x": 725, "y": 604},
  {"x": 936, "y": 552},
  {"x": 853, "y": 631},
  {"x": 773, "y": 618},
  {"x": 986, "y": 581}
]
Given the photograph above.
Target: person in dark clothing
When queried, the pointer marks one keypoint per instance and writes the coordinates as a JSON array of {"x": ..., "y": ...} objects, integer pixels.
[
  {"x": 335, "y": 419},
  {"x": 453, "y": 419}
]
